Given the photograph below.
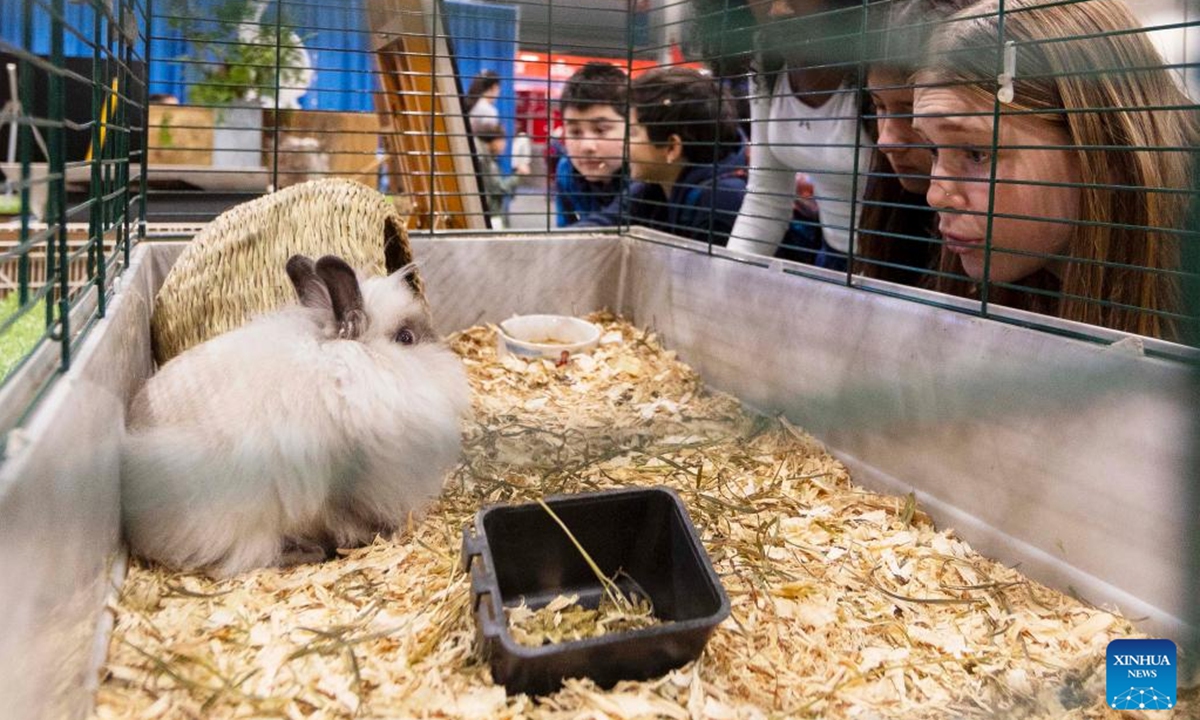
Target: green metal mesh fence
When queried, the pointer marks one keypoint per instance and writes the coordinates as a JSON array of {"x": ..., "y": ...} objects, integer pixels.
[
  {"x": 1024, "y": 160},
  {"x": 73, "y": 92},
  {"x": 1058, "y": 136},
  {"x": 1070, "y": 210}
]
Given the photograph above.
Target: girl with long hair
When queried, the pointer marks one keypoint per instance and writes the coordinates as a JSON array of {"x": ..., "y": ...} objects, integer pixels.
[{"x": 1092, "y": 167}]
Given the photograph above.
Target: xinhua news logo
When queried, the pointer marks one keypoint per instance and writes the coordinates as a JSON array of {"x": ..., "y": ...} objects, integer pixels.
[{"x": 1141, "y": 675}]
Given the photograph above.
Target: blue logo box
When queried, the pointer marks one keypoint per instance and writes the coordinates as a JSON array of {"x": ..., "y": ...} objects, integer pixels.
[{"x": 1141, "y": 675}]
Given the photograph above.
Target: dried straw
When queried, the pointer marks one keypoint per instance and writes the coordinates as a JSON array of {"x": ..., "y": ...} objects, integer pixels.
[
  {"x": 563, "y": 619},
  {"x": 845, "y": 603},
  {"x": 234, "y": 267}
]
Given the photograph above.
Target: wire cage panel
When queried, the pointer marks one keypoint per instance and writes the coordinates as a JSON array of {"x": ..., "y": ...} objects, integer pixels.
[
  {"x": 1036, "y": 447},
  {"x": 72, "y": 90},
  {"x": 245, "y": 96}
]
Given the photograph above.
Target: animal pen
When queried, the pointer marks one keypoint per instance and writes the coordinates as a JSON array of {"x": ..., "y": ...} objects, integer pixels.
[{"x": 921, "y": 501}]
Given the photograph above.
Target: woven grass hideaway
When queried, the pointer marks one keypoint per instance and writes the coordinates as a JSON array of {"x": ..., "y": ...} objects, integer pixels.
[
  {"x": 845, "y": 603},
  {"x": 234, "y": 267}
]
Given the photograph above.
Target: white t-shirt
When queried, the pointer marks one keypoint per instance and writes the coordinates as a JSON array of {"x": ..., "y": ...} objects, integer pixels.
[
  {"x": 788, "y": 137},
  {"x": 483, "y": 112}
]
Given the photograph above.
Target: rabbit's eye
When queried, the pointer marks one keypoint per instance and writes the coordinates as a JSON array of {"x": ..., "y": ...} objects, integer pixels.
[{"x": 405, "y": 337}]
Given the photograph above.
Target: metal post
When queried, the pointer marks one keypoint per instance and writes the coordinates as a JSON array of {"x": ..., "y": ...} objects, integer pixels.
[
  {"x": 57, "y": 255},
  {"x": 100, "y": 119},
  {"x": 145, "y": 134},
  {"x": 24, "y": 140},
  {"x": 278, "y": 76}
]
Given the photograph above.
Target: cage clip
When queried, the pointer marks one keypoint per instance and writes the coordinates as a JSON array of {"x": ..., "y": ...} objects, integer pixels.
[{"x": 1005, "y": 92}]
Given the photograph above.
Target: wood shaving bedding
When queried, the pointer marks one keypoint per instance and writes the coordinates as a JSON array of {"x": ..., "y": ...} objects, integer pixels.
[{"x": 845, "y": 603}]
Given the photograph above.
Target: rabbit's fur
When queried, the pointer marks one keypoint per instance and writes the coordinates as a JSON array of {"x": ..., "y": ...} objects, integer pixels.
[{"x": 310, "y": 428}]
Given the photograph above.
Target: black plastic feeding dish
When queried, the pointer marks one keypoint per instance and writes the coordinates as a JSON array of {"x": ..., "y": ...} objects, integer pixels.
[{"x": 516, "y": 552}]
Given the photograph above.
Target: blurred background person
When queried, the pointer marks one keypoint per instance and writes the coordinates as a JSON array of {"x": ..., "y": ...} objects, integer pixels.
[
  {"x": 897, "y": 228},
  {"x": 480, "y": 102},
  {"x": 498, "y": 188},
  {"x": 806, "y": 116}
]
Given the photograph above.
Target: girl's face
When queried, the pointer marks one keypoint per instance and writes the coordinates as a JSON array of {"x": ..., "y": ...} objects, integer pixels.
[
  {"x": 899, "y": 143},
  {"x": 1039, "y": 154},
  {"x": 595, "y": 140}
]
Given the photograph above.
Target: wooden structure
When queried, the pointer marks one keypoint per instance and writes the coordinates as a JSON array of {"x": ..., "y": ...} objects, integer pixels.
[
  {"x": 79, "y": 273},
  {"x": 312, "y": 144},
  {"x": 428, "y": 150}
]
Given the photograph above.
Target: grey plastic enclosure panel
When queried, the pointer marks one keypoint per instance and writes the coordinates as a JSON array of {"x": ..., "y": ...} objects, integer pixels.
[
  {"x": 472, "y": 280},
  {"x": 1067, "y": 457},
  {"x": 60, "y": 511}
]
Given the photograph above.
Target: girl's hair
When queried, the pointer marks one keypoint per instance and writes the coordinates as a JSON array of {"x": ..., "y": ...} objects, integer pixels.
[
  {"x": 481, "y": 83},
  {"x": 895, "y": 227},
  {"x": 727, "y": 35},
  {"x": 898, "y": 31},
  {"x": 1088, "y": 68}
]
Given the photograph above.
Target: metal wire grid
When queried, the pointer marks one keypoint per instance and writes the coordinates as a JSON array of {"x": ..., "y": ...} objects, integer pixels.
[
  {"x": 401, "y": 57},
  {"x": 653, "y": 36},
  {"x": 396, "y": 125},
  {"x": 218, "y": 131},
  {"x": 738, "y": 36},
  {"x": 60, "y": 250}
]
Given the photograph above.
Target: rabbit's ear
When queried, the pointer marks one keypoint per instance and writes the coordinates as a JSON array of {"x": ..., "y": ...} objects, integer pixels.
[
  {"x": 405, "y": 274},
  {"x": 396, "y": 255},
  {"x": 310, "y": 290},
  {"x": 344, "y": 294}
]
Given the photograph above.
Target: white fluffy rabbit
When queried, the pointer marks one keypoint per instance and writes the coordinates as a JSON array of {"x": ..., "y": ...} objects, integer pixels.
[{"x": 313, "y": 427}]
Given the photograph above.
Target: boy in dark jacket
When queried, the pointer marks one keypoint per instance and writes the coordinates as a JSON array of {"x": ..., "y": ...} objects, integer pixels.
[
  {"x": 591, "y": 174},
  {"x": 685, "y": 156}
]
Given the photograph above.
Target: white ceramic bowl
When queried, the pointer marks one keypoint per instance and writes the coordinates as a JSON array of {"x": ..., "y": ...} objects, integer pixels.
[{"x": 547, "y": 336}]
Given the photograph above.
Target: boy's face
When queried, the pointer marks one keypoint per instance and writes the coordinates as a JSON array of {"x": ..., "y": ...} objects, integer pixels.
[
  {"x": 496, "y": 146},
  {"x": 648, "y": 162},
  {"x": 594, "y": 139}
]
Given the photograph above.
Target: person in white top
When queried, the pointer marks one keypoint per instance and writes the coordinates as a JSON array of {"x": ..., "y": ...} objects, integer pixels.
[
  {"x": 481, "y": 99},
  {"x": 805, "y": 117}
]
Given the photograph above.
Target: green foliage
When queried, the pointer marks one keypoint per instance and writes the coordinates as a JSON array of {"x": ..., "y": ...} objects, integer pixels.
[
  {"x": 18, "y": 340},
  {"x": 165, "y": 137},
  {"x": 229, "y": 65}
]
